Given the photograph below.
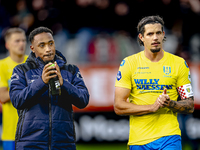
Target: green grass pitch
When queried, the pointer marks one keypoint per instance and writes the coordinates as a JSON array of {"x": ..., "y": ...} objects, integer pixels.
[{"x": 101, "y": 146}]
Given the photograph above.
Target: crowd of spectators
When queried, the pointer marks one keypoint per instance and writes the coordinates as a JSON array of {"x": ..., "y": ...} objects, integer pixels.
[{"x": 104, "y": 31}]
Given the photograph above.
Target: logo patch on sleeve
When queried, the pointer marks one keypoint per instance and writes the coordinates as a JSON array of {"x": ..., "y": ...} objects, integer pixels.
[
  {"x": 15, "y": 76},
  {"x": 79, "y": 75},
  {"x": 122, "y": 63},
  {"x": 119, "y": 75}
]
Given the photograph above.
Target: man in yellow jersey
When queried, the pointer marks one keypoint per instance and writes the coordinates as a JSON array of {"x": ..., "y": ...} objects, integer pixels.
[
  {"x": 148, "y": 85},
  {"x": 15, "y": 43}
]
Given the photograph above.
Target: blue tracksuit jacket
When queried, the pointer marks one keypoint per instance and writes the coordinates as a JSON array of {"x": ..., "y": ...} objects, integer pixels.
[{"x": 46, "y": 122}]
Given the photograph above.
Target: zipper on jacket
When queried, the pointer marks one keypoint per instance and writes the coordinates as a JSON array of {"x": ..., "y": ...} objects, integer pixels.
[{"x": 50, "y": 125}]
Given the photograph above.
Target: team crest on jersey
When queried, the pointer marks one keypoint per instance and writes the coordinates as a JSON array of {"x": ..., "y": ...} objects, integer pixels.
[
  {"x": 122, "y": 63},
  {"x": 119, "y": 75},
  {"x": 167, "y": 70}
]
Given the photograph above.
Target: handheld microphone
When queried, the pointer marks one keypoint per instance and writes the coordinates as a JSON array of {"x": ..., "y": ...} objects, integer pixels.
[{"x": 54, "y": 85}]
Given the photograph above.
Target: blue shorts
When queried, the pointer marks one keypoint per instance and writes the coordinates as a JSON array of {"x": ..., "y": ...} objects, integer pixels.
[
  {"x": 8, "y": 145},
  {"x": 164, "y": 143}
]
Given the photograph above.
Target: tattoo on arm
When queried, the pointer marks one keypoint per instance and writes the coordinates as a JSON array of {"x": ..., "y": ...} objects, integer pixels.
[{"x": 182, "y": 106}]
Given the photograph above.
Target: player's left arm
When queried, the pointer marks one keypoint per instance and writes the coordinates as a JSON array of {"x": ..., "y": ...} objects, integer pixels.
[
  {"x": 4, "y": 95},
  {"x": 185, "y": 105},
  {"x": 184, "y": 89}
]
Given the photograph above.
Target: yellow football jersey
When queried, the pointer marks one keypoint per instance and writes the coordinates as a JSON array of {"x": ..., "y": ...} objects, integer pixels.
[
  {"x": 147, "y": 80},
  {"x": 9, "y": 113}
]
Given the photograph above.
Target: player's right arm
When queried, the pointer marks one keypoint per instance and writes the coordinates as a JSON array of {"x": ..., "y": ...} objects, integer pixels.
[
  {"x": 4, "y": 95},
  {"x": 123, "y": 107},
  {"x": 122, "y": 92}
]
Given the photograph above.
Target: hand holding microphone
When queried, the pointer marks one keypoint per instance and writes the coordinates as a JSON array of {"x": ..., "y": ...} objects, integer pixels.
[{"x": 51, "y": 75}]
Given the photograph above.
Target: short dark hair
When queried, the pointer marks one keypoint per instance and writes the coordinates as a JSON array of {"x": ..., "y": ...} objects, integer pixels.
[
  {"x": 10, "y": 31},
  {"x": 148, "y": 20},
  {"x": 38, "y": 31}
]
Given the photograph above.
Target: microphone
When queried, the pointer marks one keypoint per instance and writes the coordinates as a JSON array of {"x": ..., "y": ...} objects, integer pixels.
[{"x": 54, "y": 84}]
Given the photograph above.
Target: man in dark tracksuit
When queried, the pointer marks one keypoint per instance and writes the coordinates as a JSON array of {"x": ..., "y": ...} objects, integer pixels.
[{"x": 45, "y": 120}]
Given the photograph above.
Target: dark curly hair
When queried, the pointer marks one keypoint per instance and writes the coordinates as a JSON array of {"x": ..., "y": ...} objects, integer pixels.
[
  {"x": 38, "y": 31},
  {"x": 148, "y": 20}
]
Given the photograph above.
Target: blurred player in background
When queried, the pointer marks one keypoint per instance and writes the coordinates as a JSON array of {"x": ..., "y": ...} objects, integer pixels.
[
  {"x": 148, "y": 85},
  {"x": 15, "y": 43}
]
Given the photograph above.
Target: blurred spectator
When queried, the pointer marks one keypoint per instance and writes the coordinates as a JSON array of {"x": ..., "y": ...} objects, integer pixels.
[
  {"x": 77, "y": 14},
  {"x": 39, "y": 9},
  {"x": 194, "y": 5},
  {"x": 23, "y": 18},
  {"x": 72, "y": 49},
  {"x": 44, "y": 12},
  {"x": 191, "y": 16},
  {"x": 4, "y": 24},
  {"x": 102, "y": 4},
  {"x": 172, "y": 42},
  {"x": 121, "y": 9},
  {"x": 126, "y": 45},
  {"x": 61, "y": 37},
  {"x": 77, "y": 47},
  {"x": 102, "y": 49},
  {"x": 195, "y": 47},
  {"x": 84, "y": 3},
  {"x": 83, "y": 37},
  {"x": 102, "y": 15},
  {"x": 4, "y": 19},
  {"x": 122, "y": 19}
]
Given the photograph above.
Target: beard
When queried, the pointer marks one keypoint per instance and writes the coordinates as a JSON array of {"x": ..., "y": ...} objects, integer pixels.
[{"x": 155, "y": 50}]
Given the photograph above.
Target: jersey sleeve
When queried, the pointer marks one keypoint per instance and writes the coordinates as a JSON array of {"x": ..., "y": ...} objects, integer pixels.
[
  {"x": 123, "y": 78},
  {"x": 184, "y": 86},
  {"x": 184, "y": 75},
  {"x": 3, "y": 80}
]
